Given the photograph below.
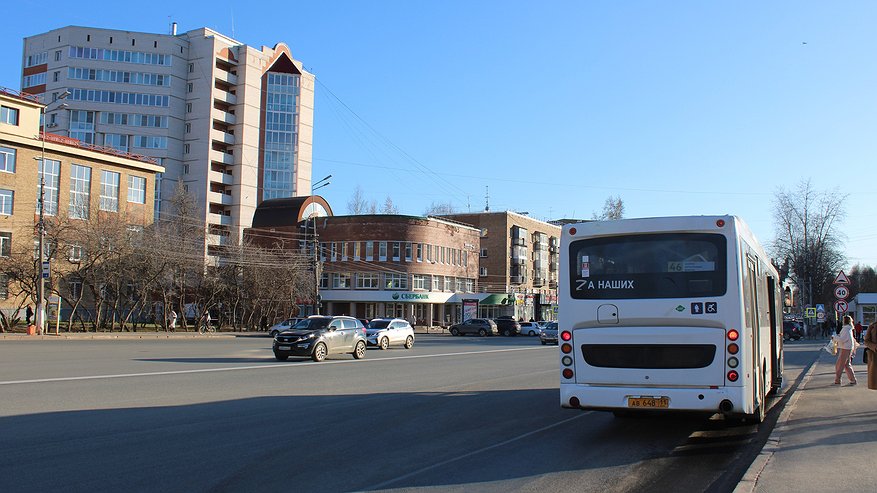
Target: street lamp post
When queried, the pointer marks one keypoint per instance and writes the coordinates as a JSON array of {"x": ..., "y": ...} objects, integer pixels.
[
  {"x": 317, "y": 270},
  {"x": 40, "y": 315}
]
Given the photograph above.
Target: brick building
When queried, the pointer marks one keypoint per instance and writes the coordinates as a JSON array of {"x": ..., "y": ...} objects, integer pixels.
[
  {"x": 517, "y": 264},
  {"x": 82, "y": 183}
]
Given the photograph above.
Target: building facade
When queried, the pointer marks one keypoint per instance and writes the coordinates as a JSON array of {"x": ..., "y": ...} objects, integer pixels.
[
  {"x": 517, "y": 264},
  {"x": 82, "y": 183},
  {"x": 231, "y": 122}
]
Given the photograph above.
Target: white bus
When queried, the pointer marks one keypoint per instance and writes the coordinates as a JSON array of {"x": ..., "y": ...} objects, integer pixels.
[{"x": 675, "y": 313}]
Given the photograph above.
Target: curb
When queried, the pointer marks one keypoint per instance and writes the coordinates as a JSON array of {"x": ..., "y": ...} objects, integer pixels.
[
  {"x": 128, "y": 336},
  {"x": 750, "y": 479}
]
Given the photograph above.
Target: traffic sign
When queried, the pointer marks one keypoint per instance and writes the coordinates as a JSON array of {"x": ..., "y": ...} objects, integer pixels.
[
  {"x": 841, "y": 278},
  {"x": 840, "y": 306},
  {"x": 841, "y": 292},
  {"x": 45, "y": 270},
  {"x": 810, "y": 313}
]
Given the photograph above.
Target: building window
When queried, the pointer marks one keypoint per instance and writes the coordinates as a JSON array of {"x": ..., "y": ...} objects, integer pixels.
[
  {"x": 429, "y": 253},
  {"x": 57, "y": 55},
  {"x": 340, "y": 280},
  {"x": 483, "y": 252},
  {"x": 76, "y": 289},
  {"x": 396, "y": 248},
  {"x": 80, "y": 186},
  {"x": 482, "y": 271},
  {"x": 191, "y": 68},
  {"x": 5, "y": 244},
  {"x": 9, "y": 115},
  {"x": 38, "y": 59},
  {"x": 52, "y": 181},
  {"x": 56, "y": 76},
  {"x": 186, "y": 148},
  {"x": 82, "y": 125},
  {"x": 382, "y": 251},
  {"x": 7, "y": 159},
  {"x": 109, "y": 191},
  {"x": 190, "y": 87},
  {"x": 188, "y": 107},
  {"x": 6, "y": 199},
  {"x": 396, "y": 281},
  {"x": 75, "y": 254},
  {"x": 116, "y": 141},
  {"x": 419, "y": 282},
  {"x": 136, "y": 189},
  {"x": 436, "y": 283},
  {"x": 369, "y": 251},
  {"x": 419, "y": 251},
  {"x": 4, "y": 286},
  {"x": 281, "y": 135},
  {"x": 356, "y": 246},
  {"x": 449, "y": 283},
  {"x": 367, "y": 280},
  {"x": 324, "y": 281},
  {"x": 185, "y": 169},
  {"x": 333, "y": 251},
  {"x": 188, "y": 128},
  {"x": 408, "y": 251},
  {"x": 344, "y": 251}
]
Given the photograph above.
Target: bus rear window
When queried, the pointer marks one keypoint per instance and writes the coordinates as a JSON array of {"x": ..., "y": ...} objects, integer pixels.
[{"x": 669, "y": 265}]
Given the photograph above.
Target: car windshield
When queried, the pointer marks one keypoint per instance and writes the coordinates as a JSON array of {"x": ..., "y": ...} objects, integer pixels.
[
  {"x": 551, "y": 326},
  {"x": 312, "y": 323},
  {"x": 378, "y": 324}
]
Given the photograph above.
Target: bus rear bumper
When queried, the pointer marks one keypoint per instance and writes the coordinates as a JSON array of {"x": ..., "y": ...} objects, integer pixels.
[{"x": 574, "y": 396}]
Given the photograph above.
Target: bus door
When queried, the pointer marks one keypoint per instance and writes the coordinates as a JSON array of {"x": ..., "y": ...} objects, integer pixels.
[{"x": 751, "y": 303}]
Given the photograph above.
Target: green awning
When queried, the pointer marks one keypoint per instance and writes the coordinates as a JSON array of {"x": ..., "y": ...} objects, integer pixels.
[{"x": 495, "y": 299}]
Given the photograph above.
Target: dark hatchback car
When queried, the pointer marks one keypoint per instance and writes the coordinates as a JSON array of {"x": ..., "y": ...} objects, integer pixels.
[
  {"x": 319, "y": 336},
  {"x": 508, "y": 326},
  {"x": 480, "y": 326}
]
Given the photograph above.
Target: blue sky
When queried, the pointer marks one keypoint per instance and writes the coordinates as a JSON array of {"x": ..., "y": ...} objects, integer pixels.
[{"x": 551, "y": 107}]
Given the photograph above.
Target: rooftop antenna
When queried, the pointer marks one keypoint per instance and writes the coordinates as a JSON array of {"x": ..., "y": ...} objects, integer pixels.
[{"x": 487, "y": 198}]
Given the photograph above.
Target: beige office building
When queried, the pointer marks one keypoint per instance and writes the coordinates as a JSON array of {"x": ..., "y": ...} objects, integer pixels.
[{"x": 232, "y": 122}]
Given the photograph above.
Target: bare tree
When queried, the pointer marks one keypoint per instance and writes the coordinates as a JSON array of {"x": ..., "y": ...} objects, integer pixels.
[
  {"x": 438, "y": 209},
  {"x": 357, "y": 204},
  {"x": 807, "y": 236},
  {"x": 389, "y": 207},
  {"x": 863, "y": 279},
  {"x": 613, "y": 209}
]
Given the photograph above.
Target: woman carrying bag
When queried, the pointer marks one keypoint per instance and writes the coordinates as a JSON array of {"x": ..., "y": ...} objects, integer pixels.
[
  {"x": 846, "y": 347},
  {"x": 871, "y": 351}
]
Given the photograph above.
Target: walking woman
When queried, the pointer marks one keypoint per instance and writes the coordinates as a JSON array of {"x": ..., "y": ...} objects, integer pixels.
[
  {"x": 845, "y": 347},
  {"x": 871, "y": 345}
]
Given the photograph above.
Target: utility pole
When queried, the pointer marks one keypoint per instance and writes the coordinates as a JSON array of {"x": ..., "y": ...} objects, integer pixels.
[{"x": 317, "y": 273}]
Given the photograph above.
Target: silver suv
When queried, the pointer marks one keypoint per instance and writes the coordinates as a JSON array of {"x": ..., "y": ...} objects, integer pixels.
[
  {"x": 319, "y": 336},
  {"x": 382, "y": 332}
]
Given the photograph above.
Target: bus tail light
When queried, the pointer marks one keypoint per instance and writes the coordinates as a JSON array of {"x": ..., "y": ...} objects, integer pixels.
[
  {"x": 733, "y": 335},
  {"x": 733, "y": 376},
  {"x": 733, "y": 362},
  {"x": 733, "y": 348},
  {"x": 566, "y": 335},
  {"x": 566, "y": 348},
  {"x": 567, "y": 373}
]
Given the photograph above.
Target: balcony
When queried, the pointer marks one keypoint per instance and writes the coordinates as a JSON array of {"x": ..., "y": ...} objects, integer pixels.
[
  {"x": 220, "y": 136},
  {"x": 224, "y": 116},
  {"x": 552, "y": 284},
  {"x": 219, "y": 198},
  {"x": 220, "y": 219},
  {"x": 227, "y": 77},
  {"x": 516, "y": 279},
  {"x": 225, "y": 97},
  {"x": 218, "y": 240},
  {"x": 220, "y": 177},
  {"x": 538, "y": 282},
  {"x": 221, "y": 157}
]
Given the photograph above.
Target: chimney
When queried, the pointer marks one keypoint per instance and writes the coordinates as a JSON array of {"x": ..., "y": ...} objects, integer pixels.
[{"x": 174, "y": 29}]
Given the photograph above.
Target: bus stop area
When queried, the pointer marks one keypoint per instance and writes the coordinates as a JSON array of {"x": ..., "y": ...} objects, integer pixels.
[{"x": 825, "y": 438}]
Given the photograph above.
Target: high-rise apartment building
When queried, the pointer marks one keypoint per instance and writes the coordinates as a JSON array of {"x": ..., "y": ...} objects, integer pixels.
[{"x": 231, "y": 122}]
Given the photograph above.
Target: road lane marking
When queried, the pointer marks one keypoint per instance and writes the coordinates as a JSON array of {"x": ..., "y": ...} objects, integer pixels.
[
  {"x": 470, "y": 454},
  {"x": 267, "y": 366}
]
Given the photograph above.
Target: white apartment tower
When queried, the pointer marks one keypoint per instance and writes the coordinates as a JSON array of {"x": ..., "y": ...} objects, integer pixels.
[{"x": 233, "y": 123}]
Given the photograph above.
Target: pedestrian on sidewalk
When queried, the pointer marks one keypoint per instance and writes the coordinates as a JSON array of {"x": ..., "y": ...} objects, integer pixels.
[
  {"x": 846, "y": 348},
  {"x": 871, "y": 350},
  {"x": 858, "y": 331}
]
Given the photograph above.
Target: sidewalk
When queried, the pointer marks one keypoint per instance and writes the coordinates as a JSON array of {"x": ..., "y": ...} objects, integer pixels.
[
  {"x": 825, "y": 439},
  {"x": 126, "y": 335}
]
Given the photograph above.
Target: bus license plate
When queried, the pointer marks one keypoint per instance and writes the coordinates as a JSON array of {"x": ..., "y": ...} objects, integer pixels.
[{"x": 649, "y": 402}]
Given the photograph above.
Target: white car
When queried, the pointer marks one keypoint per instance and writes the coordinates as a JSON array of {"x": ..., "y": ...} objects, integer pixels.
[
  {"x": 530, "y": 329},
  {"x": 382, "y": 332},
  {"x": 282, "y": 326}
]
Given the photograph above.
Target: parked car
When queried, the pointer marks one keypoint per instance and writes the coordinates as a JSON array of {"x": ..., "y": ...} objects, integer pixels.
[
  {"x": 319, "y": 336},
  {"x": 284, "y": 325},
  {"x": 530, "y": 328},
  {"x": 382, "y": 332},
  {"x": 549, "y": 334},
  {"x": 508, "y": 326},
  {"x": 792, "y": 330},
  {"x": 480, "y": 326}
]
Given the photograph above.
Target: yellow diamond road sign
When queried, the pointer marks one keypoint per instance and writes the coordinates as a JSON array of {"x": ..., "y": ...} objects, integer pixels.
[{"x": 811, "y": 312}]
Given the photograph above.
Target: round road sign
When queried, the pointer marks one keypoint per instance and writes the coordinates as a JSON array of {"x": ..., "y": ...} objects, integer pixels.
[
  {"x": 841, "y": 292},
  {"x": 840, "y": 306}
]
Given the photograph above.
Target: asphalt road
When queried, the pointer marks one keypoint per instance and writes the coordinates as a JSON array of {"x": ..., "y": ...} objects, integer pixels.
[{"x": 452, "y": 414}]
